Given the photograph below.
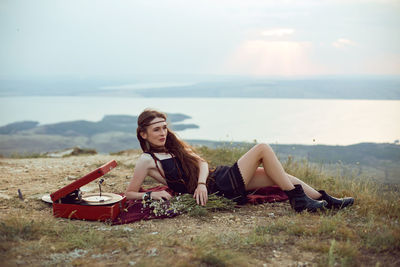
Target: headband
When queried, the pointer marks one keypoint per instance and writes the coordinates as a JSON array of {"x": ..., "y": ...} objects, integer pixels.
[{"x": 154, "y": 123}]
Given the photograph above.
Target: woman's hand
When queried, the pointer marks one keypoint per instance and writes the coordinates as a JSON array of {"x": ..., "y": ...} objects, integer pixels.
[
  {"x": 157, "y": 195},
  {"x": 201, "y": 194}
]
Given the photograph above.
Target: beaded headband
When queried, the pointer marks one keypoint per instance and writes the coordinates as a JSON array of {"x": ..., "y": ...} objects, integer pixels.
[{"x": 154, "y": 123}]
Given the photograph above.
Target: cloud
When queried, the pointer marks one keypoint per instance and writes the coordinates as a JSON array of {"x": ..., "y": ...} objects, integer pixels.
[
  {"x": 265, "y": 58},
  {"x": 277, "y": 32},
  {"x": 343, "y": 43}
]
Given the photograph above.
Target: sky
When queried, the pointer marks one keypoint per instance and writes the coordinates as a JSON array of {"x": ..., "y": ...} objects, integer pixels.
[{"x": 116, "y": 38}]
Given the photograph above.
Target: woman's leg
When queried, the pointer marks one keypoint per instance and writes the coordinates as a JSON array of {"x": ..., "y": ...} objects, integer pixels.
[
  {"x": 261, "y": 179},
  {"x": 272, "y": 173}
]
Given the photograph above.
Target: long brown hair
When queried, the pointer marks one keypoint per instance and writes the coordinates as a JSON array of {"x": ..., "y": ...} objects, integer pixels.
[{"x": 178, "y": 148}]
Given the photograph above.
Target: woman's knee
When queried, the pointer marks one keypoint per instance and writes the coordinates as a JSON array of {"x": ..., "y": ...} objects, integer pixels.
[{"x": 262, "y": 148}]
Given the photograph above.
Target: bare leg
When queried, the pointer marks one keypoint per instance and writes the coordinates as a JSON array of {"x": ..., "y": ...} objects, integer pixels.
[
  {"x": 272, "y": 173},
  {"x": 260, "y": 179}
]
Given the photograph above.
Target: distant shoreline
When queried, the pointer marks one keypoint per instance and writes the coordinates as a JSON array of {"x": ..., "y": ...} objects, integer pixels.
[{"x": 371, "y": 88}]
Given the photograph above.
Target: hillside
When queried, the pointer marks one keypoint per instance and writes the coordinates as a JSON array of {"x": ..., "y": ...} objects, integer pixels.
[
  {"x": 366, "y": 234},
  {"x": 110, "y": 123},
  {"x": 379, "y": 162}
]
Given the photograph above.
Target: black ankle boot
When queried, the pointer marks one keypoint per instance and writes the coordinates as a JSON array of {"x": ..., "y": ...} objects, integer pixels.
[
  {"x": 335, "y": 203},
  {"x": 300, "y": 201}
]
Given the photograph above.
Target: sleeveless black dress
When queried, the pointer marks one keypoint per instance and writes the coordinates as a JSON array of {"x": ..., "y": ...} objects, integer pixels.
[{"x": 226, "y": 181}]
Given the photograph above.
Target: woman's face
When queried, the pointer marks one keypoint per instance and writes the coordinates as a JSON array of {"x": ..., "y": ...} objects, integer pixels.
[{"x": 156, "y": 132}]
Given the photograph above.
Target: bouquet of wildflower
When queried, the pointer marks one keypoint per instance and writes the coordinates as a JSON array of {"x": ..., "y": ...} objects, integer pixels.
[{"x": 187, "y": 204}]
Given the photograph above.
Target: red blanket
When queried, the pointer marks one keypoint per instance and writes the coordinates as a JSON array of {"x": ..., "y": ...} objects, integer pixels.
[{"x": 134, "y": 210}]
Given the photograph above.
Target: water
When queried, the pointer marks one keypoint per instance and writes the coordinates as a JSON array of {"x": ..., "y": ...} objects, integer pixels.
[{"x": 282, "y": 121}]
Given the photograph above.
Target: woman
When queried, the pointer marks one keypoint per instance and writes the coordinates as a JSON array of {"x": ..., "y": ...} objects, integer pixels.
[{"x": 172, "y": 162}]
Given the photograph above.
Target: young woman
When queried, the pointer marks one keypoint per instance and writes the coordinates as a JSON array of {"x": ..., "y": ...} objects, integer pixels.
[{"x": 172, "y": 162}]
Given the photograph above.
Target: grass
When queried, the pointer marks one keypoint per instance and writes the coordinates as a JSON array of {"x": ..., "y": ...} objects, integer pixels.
[
  {"x": 14, "y": 229},
  {"x": 26, "y": 155},
  {"x": 366, "y": 234}
]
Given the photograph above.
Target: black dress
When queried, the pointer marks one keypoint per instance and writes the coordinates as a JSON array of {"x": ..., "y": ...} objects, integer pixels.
[{"x": 226, "y": 181}]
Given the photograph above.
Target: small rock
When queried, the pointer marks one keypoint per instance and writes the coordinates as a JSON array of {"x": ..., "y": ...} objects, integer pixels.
[
  {"x": 96, "y": 256},
  {"x": 115, "y": 252},
  {"x": 60, "y": 154},
  {"x": 154, "y": 233},
  {"x": 77, "y": 253},
  {"x": 131, "y": 263},
  {"x": 152, "y": 252},
  {"x": 71, "y": 178},
  {"x": 104, "y": 228},
  {"x": 302, "y": 264},
  {"x": 179, "y": 231},
  {"x": 276, "y": 253},
  {"x": 4, "y": 196},
  {"x": 271, "y": 214}
]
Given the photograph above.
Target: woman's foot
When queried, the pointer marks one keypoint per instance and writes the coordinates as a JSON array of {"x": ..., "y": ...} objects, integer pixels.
[
  {"x": 300, "y": 201},
  {"x": 335, "y": 203}
]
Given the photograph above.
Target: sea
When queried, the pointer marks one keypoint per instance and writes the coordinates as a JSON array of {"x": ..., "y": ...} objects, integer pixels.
[{"x": 273, "y": 121}]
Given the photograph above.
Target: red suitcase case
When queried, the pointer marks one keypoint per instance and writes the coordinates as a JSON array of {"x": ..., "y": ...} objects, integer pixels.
[{"x": 86, "y": 212}]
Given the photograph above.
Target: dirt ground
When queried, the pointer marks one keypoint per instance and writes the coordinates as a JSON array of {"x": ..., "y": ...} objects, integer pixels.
[{"x": 39, "y": 176}]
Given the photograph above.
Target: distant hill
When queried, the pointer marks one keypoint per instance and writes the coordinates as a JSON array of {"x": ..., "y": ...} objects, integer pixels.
[
  {"x": 112, "y": 133},
  {"x": 110, "y": 123},
  {"x": 304, "y": 88},
  {"x": 364, "y": 87},
  {"x": 16, "y": 127},
  {"x": 363, "y": 153},
  {"x": 379, "y": 162}
]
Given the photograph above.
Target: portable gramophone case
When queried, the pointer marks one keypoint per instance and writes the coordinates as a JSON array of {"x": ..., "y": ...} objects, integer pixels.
[{"x": 68, "y": 202}]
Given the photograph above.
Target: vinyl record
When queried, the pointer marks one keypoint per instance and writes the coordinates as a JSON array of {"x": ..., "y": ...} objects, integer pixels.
[{"x": 105, "y": 199}]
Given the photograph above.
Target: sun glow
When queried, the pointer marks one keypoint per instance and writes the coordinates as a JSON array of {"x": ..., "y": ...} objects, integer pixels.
[{"x": 261, "y": 57}]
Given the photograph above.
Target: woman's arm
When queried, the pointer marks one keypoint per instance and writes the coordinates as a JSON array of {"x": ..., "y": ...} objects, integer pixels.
[
  {"x": 203, "y": 171},
  {"x": 144, "y": 167},
  {"x": 201, "y": 193}
]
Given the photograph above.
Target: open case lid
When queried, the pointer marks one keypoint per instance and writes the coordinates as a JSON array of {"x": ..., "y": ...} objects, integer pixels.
[{"x": 84, "y": 180}]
